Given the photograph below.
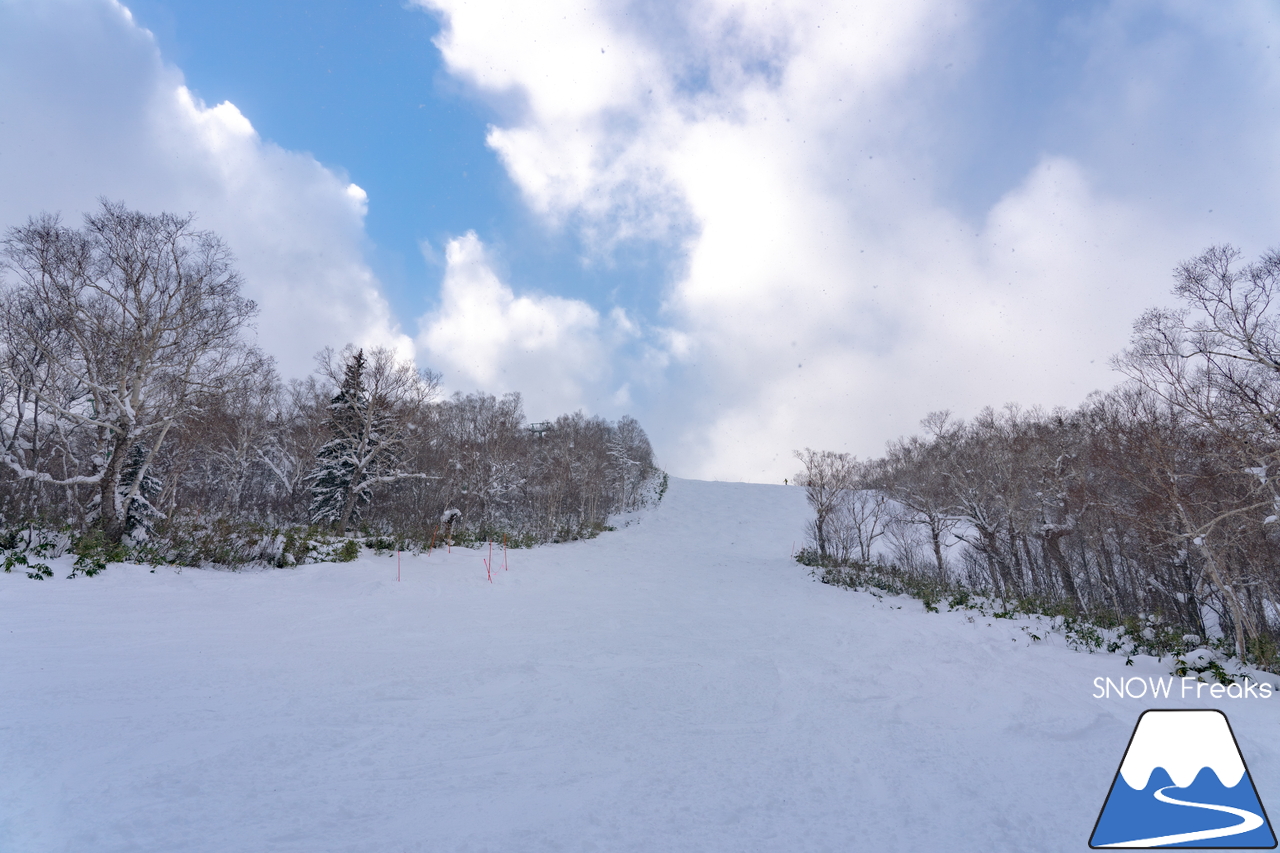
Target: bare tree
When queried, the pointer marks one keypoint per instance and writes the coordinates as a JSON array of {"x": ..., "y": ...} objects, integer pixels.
[
  {"x": 1217, "y": 359},
  {"x": 115, "y": 333},
  {"x": 913, "y": 477},
  {"x": 859, "y": 519},
  {"x": 632, "y": 459},
  {"x": 827, "y": 475}
]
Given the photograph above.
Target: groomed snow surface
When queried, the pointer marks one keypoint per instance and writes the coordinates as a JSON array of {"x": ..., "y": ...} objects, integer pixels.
[{"x": 678, "y": 685}]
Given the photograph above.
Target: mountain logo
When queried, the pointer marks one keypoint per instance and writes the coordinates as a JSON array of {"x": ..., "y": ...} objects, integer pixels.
[{"x": 1183, "y": 783}]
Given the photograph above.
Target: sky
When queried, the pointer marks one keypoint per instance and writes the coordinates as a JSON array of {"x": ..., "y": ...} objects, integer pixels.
[{"x": 756, "y": 227}]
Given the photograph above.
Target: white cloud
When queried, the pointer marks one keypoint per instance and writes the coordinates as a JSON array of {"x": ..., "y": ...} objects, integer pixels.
[
  {"x": 90, "y": 109},
  {"x": 797, "y": 152},
  {"x": 554, "y": 351}
]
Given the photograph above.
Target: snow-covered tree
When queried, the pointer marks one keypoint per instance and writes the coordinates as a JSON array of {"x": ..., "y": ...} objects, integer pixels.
[
  {"x": 1216, "y": 360},
  {"x": 378, "y": 402},
  {"x": 139, "y": 488},
  {"x": 336, "y": 493},
  {"x": 110, "y": 336},
  {"x": 826, "y": 476},
  {"x": 137, "y": 492},
  {"x": 128, "y": 392},
  {"x": 631, "y": 459}
]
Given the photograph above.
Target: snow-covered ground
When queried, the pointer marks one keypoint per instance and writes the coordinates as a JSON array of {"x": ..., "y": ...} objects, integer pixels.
[{"x": 679, "y": 685}]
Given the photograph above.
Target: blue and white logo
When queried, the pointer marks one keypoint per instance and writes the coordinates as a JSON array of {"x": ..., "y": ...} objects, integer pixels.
[{"x": 1183, "y": 783}]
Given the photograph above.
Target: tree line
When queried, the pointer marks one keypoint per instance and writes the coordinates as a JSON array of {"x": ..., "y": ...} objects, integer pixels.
[
  {"x": 1155, "y": 502},
  {"x": 136, "y": 410}
]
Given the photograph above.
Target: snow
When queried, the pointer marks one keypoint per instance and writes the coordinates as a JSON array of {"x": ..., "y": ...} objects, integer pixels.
[{"x": 678, "y": 685}]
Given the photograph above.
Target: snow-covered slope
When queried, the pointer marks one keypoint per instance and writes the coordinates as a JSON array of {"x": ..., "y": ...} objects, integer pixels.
[{"x": 679, "y": 685}]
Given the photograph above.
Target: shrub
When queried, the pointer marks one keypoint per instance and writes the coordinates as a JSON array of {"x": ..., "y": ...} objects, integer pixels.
[{"x": 1128, "y": 635}]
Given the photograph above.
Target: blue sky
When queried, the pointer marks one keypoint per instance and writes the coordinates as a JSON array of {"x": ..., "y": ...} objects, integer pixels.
[
  {"x": 756, "y": 227},
  {"x": 362, "y": 88}
]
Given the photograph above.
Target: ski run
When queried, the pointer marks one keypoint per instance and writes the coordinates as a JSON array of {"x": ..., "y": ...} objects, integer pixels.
[{"x": 681, "y": 684}]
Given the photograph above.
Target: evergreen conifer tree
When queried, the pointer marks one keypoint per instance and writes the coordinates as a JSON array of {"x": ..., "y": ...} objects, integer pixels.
[
  {"x": 370, "y": 419},
  {"x": 336, "y": 493},
  {"x": 140, "y": 514}
]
